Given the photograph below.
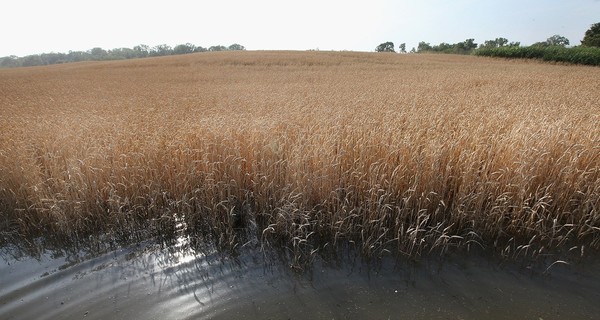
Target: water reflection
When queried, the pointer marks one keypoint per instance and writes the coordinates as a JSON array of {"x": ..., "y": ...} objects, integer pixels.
[{"x": 187, "y": 282}]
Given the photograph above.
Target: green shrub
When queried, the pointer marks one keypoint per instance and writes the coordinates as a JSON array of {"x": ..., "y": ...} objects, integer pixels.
[{"x": 575, "y": 55}]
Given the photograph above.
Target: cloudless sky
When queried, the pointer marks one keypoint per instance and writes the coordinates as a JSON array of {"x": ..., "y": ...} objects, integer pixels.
[{"x": 38, "y": 26}]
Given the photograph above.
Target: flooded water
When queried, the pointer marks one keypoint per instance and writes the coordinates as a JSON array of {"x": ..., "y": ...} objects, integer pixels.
[{"x": 155, "y": 283}]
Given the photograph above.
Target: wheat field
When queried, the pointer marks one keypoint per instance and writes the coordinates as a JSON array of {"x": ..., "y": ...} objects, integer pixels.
[{"x": 305, "y": 151}]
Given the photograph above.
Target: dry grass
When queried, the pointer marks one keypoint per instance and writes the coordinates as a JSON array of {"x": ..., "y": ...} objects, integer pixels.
[{"x": 408, "y": 154}]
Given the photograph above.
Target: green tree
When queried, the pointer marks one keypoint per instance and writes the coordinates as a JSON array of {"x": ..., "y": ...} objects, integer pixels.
[
  {"x": 217, "y": 48},
  {"x": 98, "y": 53},
  {"x": 443, "y": 47},
  {"x": 501, "y": 41},
  {"x": 53, "y": 58},
  {"x": 10, "y": 61},
  {"x": 385, "y": 47},
  {"x": 557, "y": 40},
  {"x": 236, "y": 47},
  {"x": 75, "y": 56},
  {"x": 32, "y": 60},
  {"x": 161, "y": 50},
  {"x": 402, "y": 47},
  {"x": 424, "y": 46},
  {"x": 498, "y": 42},
  {"x": 592, "y": 36},
  {"x": 466, "y": 45},
  {"x": 141, "y": 51},
  {"x": 122, "y": 53},
  {"x": 184, "y": 48}
]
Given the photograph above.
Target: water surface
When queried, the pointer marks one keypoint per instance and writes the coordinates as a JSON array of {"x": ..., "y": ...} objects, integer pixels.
[{"x": 172, "y": 283}]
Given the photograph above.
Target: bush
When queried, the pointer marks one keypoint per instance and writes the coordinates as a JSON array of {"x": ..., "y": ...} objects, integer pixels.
[{"x": 575, "y": 55}]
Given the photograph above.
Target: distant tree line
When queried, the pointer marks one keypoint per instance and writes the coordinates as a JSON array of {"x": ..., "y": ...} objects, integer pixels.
[
  {"x": 98, "y": 54},
  {"x": 586, "y": 55},
  {"x": 554, "y": 41},
  {"x": 591, "y": 39},
  {"x": 555, "y": 49},
  {"x": 464, "y": 47},
  {"x": 389, "y": 47}
]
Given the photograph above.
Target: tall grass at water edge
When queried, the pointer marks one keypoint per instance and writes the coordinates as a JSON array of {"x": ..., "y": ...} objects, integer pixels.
[{"x": 389, "y": 154}]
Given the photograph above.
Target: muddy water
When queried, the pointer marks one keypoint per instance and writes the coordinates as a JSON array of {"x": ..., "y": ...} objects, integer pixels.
[{"x": 154, "y": 283}]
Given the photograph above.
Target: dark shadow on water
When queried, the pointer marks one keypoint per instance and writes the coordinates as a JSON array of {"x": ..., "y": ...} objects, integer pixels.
[{"x": 183, "y": 281}]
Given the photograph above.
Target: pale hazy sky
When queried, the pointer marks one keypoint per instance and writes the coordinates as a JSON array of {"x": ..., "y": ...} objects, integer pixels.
[{"x": 37, "y": 26}]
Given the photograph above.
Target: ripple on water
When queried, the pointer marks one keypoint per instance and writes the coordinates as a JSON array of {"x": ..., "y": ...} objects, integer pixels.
[{"x": 178, "y": 283}]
